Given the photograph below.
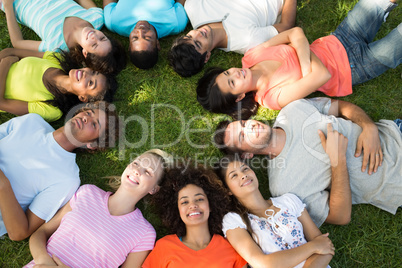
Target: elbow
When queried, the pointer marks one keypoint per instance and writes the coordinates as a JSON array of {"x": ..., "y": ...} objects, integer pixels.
[
  {"x": 342, "y": 219},
  {"x": 17, "y": 236}
]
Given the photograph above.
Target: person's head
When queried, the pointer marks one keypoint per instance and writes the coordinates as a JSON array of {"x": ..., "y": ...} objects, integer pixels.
[
  {"x": 190, "y": 197},
  {"x": 211, "y": 96},
  {"x": 87, "y": 84},
  {"x": 143, "y": 175},
  {"x": 99, "y": 52},
  {"x": 93, "y": 126},
  {"x": 237, "y": 176},
  {"x": 244, "y": 137},
  {"x": 144, "y": 45},
  {"x": 240, "y": 181}
]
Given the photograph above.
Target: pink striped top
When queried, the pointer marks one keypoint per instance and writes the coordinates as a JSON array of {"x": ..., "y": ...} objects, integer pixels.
[{"x": 89, "y": 236}]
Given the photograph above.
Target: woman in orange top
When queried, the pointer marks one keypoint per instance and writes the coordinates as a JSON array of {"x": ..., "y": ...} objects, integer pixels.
[
  {"x": 191, "y": 202},
  {"x": 287, "y": 68}
]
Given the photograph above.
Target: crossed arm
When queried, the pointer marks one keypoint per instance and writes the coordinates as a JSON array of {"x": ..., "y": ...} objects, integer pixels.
[
  {"x": 314, "y": 72},
  {"x": 368, "y": 141},
  {"x": 318, "y": 250},
  {"x": 19, "y": 224}
]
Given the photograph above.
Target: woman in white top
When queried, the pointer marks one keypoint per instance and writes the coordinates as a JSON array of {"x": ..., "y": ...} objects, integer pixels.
[{"x": 277, "y": 232}]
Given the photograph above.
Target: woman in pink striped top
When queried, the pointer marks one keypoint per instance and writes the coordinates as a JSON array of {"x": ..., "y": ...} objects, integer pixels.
[{"x": 103, "y": 229}]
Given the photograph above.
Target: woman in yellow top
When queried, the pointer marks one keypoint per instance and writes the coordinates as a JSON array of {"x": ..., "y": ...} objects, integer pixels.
[{"x": 48, "y": 84}]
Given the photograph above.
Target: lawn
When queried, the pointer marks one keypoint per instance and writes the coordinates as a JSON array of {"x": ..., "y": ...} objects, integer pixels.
[{"x": 159, "y": 110}]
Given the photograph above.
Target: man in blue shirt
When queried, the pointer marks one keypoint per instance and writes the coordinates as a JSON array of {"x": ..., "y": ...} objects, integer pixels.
[{"x": 144, "y": 22}]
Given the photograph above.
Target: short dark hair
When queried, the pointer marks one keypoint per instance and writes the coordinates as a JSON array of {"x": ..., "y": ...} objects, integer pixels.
[
  {"x": 112, "y": 63},
  {"x": 212, "y": 99},
  {"x": 166, "y": 200},
  {"x": 219, "y": 139},
  {"x": 185, "y": 59},
  {"x": 144, "y": 59},
  {"x": 112, "y": 128}
]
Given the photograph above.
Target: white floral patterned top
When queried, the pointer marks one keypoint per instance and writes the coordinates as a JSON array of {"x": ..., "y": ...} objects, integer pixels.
[{"x": 278, "y": 231}]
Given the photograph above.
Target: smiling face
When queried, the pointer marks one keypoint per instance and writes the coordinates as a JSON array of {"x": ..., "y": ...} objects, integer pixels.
[
  {"x": 86, "y": 83},
  {"x": 86, "y": 126},
  {"x": 143, "y": 37},
  {"x": 193, "y": 205},
  {"x": 240, "y": 179},
  {"x": 143, "y": 174},
  {"x": 201, "y": 39},
  {"x": 249, "y": 136},
  {"x": 95, "y": 42},
  {"x": 235, "y": 81}
]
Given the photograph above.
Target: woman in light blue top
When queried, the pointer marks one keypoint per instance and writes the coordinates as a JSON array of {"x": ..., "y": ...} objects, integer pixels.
[{"x": 66, "y": 25}]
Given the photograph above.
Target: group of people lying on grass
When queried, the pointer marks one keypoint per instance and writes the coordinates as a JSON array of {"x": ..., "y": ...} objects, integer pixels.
[{"x": 314, "y": 177}]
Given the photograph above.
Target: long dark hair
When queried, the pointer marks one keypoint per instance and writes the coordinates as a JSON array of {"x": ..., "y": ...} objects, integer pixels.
[
  {"x": 112, "y": 63},
  {"x": 65, "y": 101},
  {"x": 234, "y": 204},
  {"x": 212, "y": 99}
]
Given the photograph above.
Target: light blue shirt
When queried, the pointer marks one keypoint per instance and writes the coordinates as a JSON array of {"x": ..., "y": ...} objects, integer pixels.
[
  {"x": 42, "y": 174},
  {"x": 167, "y": 16}
]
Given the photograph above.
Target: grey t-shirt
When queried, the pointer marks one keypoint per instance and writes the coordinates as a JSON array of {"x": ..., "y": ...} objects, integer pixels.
[{"x": 303, "y": 167}]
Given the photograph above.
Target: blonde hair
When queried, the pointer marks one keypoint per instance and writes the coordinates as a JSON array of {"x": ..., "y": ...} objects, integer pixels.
[{"x": 166, "y": 158}]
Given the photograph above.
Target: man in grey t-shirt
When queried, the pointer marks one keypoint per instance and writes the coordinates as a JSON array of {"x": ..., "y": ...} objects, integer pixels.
[{"x": 298, "y": 163}]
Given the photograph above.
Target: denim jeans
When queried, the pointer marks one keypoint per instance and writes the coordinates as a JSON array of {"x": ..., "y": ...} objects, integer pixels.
[
  {"x": 369, "y": 59},
  {"x": 398, "y": 122}
]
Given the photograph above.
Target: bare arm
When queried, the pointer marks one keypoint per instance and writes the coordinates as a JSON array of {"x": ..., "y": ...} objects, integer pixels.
[
  {"x": 16, "y": 107},
  {"x": 20, "y": 53},
  {"x": 38, "y": 240},
  {"x": 369, "y": 139},
  {"x": 311, "y": 232},
  {"x": 303, "y": 87},
  {"x": 86, "y": 3},
  {"x": 135, "y": 260},
  {"x": 14, "y": 30},
  {"x": 288, "y": 17},
  {"x": 340, "y": 196},
  {"x": 107, "y": 2},
  {"x": 296, "y": 38},
  {"x": 19, "y": 224},
  {"x": 243, "y": 243}
]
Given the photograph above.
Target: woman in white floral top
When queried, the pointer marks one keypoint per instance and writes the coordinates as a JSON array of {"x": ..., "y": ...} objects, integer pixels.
[{"x": 277, "y": 232}]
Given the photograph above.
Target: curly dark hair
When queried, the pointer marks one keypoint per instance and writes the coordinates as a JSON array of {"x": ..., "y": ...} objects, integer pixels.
[
  {"x": 112, "y": 63},
  {"x": 144, "y": 59},
  {"x": 66, "y": 101},
  {"x": 166, "y": 200},
  {"x": 112, "y": 128},
  {"x": 184, "y": 58},
  {"x": 212, "y": 99}
]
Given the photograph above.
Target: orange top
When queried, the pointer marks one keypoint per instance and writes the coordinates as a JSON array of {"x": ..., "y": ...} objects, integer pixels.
[
  {"x": 328, "y": 49},
  {"x": 170, "y": 252}
]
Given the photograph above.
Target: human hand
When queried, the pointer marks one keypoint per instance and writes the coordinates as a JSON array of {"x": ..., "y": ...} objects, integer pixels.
[
  {"x": 335, "y": 144},
  {"x": 323, "y": 245},
  {"x": 56, "y": 263},
  {"x": 369, "y": 142}
]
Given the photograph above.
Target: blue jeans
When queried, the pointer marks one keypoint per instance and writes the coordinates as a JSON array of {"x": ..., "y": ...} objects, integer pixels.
[
  {"x": 369, "y": 59},
  {"x": 398, "y": 122}
]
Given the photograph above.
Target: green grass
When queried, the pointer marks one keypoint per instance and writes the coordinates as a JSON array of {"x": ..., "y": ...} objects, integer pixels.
[{"x": 372, "y": 239}]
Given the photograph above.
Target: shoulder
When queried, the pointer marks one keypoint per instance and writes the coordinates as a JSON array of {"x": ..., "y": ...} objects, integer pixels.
[
  {"x": 167, "y": 241},
  {"x": 232, "y": 221},
  {"x": 289, "y": 201}
]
